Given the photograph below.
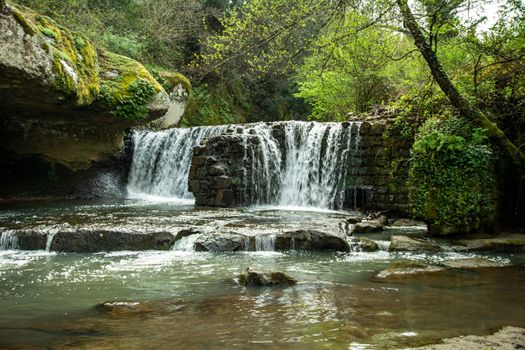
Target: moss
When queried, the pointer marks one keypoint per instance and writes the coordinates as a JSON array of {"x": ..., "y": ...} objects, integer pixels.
[
  {"x": 74, "y": 57},
  {"x": 126, "y": 86},
  {"x": 451, "y": 178},
  {"x": 29, "y": 27},
  {"x": 173, "y": 79},
  {"x": 168, "y": 79}
]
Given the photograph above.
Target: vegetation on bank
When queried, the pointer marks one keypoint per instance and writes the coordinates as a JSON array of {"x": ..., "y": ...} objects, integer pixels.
[{"x": 451, "y": 176}]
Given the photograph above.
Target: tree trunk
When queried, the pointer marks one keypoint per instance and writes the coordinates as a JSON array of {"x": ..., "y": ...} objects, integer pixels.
[{"x": 464, "y": 107}]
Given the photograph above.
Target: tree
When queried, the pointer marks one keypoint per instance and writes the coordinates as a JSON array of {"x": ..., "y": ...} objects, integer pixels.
[
  {"x": 458, "y": 100},
  {"x": 256, "y": 38}
]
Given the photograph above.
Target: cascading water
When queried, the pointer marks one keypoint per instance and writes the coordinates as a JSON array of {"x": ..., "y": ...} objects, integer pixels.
[
  {"x": 161, "y": 160},
  {"x": 316, "y": 164},
  {"x": 307, "y": 166},
  {"x": 8, "y": 240},
  {"x": 265, "y": 243},
  {"x": 264, "y": 159}
]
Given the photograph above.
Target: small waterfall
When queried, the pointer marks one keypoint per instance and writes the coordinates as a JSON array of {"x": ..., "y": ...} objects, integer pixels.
[
  {"x": 265, "y": 243},
  {"x": 50, "y": 235},
  {"x": 161, "y": 160},
  {"x": 8, "y": 240},
  {"x": 185, "y": 244}
]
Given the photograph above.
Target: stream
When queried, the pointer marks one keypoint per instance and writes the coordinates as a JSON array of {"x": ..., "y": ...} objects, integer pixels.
[{"x": 191, "y": 300}]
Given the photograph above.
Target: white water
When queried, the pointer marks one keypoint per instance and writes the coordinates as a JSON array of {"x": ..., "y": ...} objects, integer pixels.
[
  {"x": 186, "y": 244},
  {"x": 8, "y": 240},
  {"x": 162, "y": 159},
  {"x": 316, "y": 165},
  {"x": 310, "y": 174},
  {"x": 265, "y": 243},
  {"x": 50, "y": 235}
]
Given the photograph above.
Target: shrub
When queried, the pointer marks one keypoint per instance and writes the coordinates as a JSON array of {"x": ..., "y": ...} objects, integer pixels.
[{"x": 451, "y": 180}]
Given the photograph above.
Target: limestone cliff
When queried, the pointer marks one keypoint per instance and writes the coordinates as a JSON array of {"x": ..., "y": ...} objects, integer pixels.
[{"x": 66, "y": 102}]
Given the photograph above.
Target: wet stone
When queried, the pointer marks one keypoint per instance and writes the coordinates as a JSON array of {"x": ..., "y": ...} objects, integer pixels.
[{"x": 253, "y": 278}]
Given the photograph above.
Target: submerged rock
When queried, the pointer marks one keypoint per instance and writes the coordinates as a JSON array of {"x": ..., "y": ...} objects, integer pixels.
[
  {"x": 85, "y": 241},
  {"x": 310, "y": 240},
  {"x": 252, "y": 278},
  {"x": 126, "y": 308},
  {"x": 403, "y": 268},
  {"x": 472, "y": 263},
  {"x": 507, "y": 338},
  {"x": 407, "y": 244}
]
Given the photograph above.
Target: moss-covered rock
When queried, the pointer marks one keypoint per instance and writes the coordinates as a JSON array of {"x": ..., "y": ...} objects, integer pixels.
[
  {"x": 65, "y": 101},
  {"x": 74, "y": 56},
  {"x": 89, "y": 76},
  {"x": 128, "y": 88}
]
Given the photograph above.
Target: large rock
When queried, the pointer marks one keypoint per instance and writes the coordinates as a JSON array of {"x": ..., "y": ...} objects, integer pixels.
[
  {"x": 367, "y": 227},
  {"x": 311, "y": 240},
  {"x": 252, "y": 278},
  {"x": 362, "y": 244},
  {"x": 503, "y": 243},
  {"x": 507, "y": 338},
  {"x": 31, "y": 240},
  {"x": 63, "y": 102},
  {"x": 221, "y": 242},
  {"x": 86, "y": 241},
  {"x": 407, "y": 244},
  {"x": 408, "y": 223}
]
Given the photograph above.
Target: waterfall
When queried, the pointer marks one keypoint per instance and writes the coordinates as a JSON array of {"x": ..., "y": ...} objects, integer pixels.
[
  {"x": 265, "y": 243},
  {"x": 186, "y": 244},
  {"x": 49, "y": 240},
  {"x": 162, "y": 159},
  {"x": 263, "y": 157},
  {"x": 8, "y": 240},
  {"x": 300, "y": 164},
  {"x": 316, "y": 164}
]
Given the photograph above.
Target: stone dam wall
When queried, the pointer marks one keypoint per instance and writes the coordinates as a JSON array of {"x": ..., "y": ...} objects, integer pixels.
[{"x": 223, "y": 172}]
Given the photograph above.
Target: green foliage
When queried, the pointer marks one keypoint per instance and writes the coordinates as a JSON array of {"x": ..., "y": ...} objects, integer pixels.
[
  {"x": 210, "y": 108},
  {"x": 351, "y": 69},
  {"x": 451, "y": 180}
]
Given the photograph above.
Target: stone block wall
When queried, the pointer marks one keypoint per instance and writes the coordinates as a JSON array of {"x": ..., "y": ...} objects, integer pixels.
[
  {"x": 377, "y": 174},
  {"x": 379, "y": 169}
]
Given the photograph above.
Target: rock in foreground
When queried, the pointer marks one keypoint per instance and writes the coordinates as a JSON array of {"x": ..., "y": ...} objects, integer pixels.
[
  {"x": 508, "y": 338},
  {"x": 310, "y": 240},
  {"x": 252, "y": 278},
  {"x": 401, "y": 269}
]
